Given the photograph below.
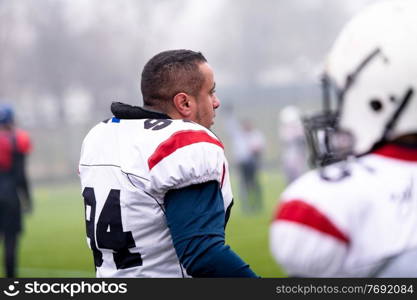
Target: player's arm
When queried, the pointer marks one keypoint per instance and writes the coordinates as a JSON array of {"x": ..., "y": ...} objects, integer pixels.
[
  {"x": 196, "y": 218},
  {"x": 22, "y": 182}
]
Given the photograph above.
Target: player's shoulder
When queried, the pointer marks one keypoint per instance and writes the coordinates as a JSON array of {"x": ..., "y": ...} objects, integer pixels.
[
  {"x": 93, "y": 137},
  {"x": 337, "y": 182},
  {"x": 189, "y": 154},
  {"x": 185, "y": 137},
  {"x": 187, "y": 144},
  {"x": 97, "y": 128},
  {"x": 325, "y": 200}
]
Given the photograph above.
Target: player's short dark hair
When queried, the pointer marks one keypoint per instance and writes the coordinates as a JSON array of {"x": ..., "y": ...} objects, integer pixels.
[{"x": 169, "y": 73}]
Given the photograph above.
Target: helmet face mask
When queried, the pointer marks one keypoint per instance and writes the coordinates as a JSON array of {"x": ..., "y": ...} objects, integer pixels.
[{"x": 327, "y": 142}]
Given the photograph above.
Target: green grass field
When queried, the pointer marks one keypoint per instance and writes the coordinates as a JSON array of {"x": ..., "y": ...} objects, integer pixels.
[{"x": 54, "y": 243}]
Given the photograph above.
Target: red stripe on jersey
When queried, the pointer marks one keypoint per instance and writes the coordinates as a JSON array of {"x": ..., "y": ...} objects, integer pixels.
[
  {"x": 398, "y": 152},
  {"x": 178, "y": 140},
  {"x": 303, "y": 213}
]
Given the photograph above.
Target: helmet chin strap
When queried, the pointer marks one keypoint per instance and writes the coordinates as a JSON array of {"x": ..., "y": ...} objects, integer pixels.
[{"x": 394, "y": 119}]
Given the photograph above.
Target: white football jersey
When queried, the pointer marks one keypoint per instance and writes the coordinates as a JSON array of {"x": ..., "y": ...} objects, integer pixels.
[
  {"x": 126, "y": 167},
  {"x": 355, "y": 224}
]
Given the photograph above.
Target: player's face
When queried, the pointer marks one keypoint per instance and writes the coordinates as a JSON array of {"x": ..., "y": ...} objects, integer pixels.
[{"x": 206, "y": 101}]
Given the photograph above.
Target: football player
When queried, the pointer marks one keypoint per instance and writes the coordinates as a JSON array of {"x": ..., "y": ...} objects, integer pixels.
[
  {"x": 15, "y": 195},
  {"x": 155, "y": 180},
  {"x": 248, "y": 146},
  {"x": 356, "y": 215}
]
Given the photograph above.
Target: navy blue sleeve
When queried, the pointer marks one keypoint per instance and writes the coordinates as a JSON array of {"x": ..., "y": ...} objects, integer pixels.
[{"x": 196, "y": 219}]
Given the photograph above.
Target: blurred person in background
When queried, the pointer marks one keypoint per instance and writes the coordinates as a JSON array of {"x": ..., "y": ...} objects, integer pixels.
[
  {"x": 15, "y": 195},
  {"x": 356, "y": 215},
  {"x": 155, "y": 180},
  {"x": 292, "y": 143},
  {"x": 248, "y": 145}
]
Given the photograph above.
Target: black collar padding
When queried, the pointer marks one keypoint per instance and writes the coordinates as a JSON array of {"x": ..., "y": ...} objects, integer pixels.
[{"x": 126, "y": 111}]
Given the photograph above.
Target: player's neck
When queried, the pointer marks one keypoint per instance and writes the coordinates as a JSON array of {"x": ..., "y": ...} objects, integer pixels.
[
  {"x": 172, "y": 113},
  {"x": 153, "y": 109}
]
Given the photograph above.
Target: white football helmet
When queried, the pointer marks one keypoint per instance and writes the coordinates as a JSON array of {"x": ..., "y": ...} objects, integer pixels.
[{"x": 372, "y": 72}]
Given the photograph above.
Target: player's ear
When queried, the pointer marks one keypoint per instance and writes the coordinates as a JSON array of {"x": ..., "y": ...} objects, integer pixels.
[{"x": 182, "y": 103}]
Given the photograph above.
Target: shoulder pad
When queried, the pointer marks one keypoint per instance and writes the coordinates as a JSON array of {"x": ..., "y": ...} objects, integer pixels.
[{"x": 189, "y": 156}]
